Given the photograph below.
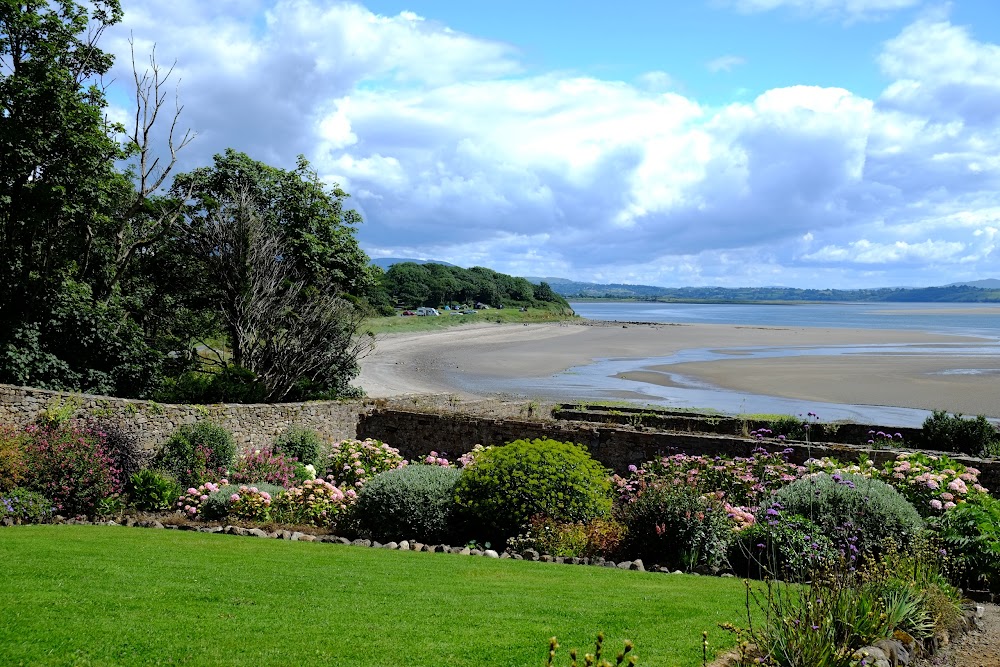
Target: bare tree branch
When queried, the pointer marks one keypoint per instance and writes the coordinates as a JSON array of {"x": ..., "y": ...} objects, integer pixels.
[
  {"x": 278, "y": 328},
  {"x": 140, "y": 227}
]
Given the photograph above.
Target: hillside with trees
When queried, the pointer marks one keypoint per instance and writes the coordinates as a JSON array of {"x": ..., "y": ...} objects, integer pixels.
[
  {"x": 409, "y": 285},
  {"x": 957, "y": 293},
  {"x": 235, "y": 281}
]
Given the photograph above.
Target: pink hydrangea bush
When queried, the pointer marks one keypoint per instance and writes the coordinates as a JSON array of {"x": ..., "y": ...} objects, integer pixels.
[
  {"x": 192, "y": 500},
  {"x": 351, "y": 462},
  {"x": 436, "y": 459},
  {"x": 467, "y": 459},
  {"x": 316, "y": 502},
  {"x": 263, "y": 465},
  {"x": 250, "y": 503},
  {"x": 934, "y": 484}
]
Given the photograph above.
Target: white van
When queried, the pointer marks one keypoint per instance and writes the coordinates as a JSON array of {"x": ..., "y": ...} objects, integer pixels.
[{"x": 427, "y": 311}]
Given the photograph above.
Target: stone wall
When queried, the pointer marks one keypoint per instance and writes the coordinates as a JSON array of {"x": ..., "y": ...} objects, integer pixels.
[{"x": 253, "y": 426}]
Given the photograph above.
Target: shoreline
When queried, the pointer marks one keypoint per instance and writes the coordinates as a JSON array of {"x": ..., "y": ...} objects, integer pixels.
[{"x": 475, "y": 361}]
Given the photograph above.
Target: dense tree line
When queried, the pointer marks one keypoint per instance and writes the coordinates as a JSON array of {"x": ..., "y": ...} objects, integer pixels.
[
  {"x": 409, "y": 285},
  {"x": 235, "y": 281},
  {"x": 948, "y": 293}
]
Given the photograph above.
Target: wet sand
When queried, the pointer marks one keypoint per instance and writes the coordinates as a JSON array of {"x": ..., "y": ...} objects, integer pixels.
[{"x": 429, "y": 362}]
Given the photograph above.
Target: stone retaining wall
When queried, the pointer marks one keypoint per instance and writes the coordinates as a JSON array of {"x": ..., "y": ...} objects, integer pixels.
[{"x": 252, "y": 425}]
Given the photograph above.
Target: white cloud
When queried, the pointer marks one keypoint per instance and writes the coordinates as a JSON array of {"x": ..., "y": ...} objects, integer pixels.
[
  {"x": 852, "y": 9},
  {"x": 724, "y": 63},
  {"x": 450, "y": 152}
]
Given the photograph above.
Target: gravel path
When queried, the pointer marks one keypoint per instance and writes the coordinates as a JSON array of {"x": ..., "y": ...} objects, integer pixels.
[{"x": 980, "y": 648}]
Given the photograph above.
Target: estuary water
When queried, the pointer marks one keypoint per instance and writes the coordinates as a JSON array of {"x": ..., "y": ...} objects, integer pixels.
[
  {"x": 953, "y": 318},
  {"x": 601, "y": 379}
]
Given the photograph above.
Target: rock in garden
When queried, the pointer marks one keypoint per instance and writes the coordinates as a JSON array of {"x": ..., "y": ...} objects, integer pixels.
[
  {"x": 529, "y": 554},
  {"x": 340, "y": 540},
  {"x": 637, "y": 565},
  {"x": 255, "y": 532},
  {"x": 404, "y": 546},
  {"x": 376, "y": 545},
  {"x": 625, "y": 565},
  {"x": 296, "y": 536},
  {"x": 362, "y": 543},
  {"x": 303, "y": 537},
  {"x": 505, "y": 556},
  {"x": 490, "y": 553},
  {"x": 390, "y": 545},
  {"x": 547, "y": 558},
  {"x": 465, "y": 552},
  {"x": 476, "y": 552}
]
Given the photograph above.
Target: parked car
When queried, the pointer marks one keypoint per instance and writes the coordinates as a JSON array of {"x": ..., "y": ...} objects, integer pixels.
[{"x": 428, "y": 311}]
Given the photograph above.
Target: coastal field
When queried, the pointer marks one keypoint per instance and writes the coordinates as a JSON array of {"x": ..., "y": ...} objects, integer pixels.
[{"x": 905, "y": 369}]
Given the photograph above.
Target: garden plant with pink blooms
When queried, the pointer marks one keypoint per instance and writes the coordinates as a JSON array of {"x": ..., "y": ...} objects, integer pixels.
[{"x": 352, "y": 462}]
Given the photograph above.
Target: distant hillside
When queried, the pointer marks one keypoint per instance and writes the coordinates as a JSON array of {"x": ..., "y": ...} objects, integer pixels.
[
  {"x": 977, "y": 292},
  {"x": 989, "y": 283},
  {"x": 385, "y": 262}
]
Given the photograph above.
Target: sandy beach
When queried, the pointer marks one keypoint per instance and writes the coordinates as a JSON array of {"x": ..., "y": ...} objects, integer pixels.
[{"x": 470, "y": 360}]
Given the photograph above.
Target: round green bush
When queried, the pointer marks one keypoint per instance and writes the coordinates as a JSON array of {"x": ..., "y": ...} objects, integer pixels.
[
  {"x": 197, "y": 453},
  {"x": 856, "y": 512},
  {"x": 302, "y": 443},
  {"x": 416, "y": 502},
  {"x": 506, "y": 486},
  {"x": 677, "y": 527}
]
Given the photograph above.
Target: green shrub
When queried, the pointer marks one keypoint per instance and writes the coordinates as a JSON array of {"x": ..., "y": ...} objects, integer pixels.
[
  {"x": 789, "y": 548},
  {"x": 675, "y": 526},
  {"x": 971, "y": 534},
  {"x": 25, "y": 506},
  {"x": 953, "y": 433},
  {"x": 506, "y": 486},
  {"x": 416, "y": 502},
  {"x": 857, "y": 512},
  {"x": 11, "y": 457},
  {"x": 153, "y": 491},
  {"x": 196, "y": 453},
  {"x": 302, "y": 443}
]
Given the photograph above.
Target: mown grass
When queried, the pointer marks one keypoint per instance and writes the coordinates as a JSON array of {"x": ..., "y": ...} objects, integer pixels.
[
  {"x": 92, "y": 595},
  {"x": 398, "y": 324}
]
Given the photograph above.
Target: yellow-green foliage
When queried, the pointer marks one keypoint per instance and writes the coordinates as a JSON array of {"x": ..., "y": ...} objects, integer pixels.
[{"x": 506, "y": 486}]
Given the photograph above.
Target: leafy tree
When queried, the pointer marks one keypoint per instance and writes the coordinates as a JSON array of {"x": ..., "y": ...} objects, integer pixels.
[
  {"x": 294, "y": 339},
  {"x": 319, "y": 234}
]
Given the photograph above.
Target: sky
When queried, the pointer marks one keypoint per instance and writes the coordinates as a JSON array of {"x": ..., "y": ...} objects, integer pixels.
[{"x": 802, "y": 143}]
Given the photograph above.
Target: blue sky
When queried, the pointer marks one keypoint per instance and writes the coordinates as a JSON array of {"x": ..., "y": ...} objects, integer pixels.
[{"x": 813, "y": 143}]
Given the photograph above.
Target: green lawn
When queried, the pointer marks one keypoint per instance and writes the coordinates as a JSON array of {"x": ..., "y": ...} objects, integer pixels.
[
  {"x": 94, "y": 595},
  {"x": 380, "y": 325}
]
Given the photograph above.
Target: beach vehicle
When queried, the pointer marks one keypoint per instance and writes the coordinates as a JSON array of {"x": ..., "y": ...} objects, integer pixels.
[{"x": 427, "y": 311}]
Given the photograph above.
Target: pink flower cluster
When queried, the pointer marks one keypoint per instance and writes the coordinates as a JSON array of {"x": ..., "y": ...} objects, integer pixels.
[
  {"x": 467, "y": 459},
  {"x": 250, "y": 503},
  {"x": 743, "y": 480},
  {"x": 351, "y": 462},
  {"x": 263, "y": 465},
  {"x": 435, "y": 459},
  {"x": 191, "y": 500},
  {"x": 316, "y": 502},
  {"x": 934, "y": 484}
]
